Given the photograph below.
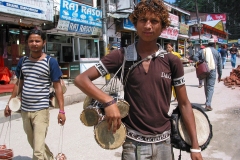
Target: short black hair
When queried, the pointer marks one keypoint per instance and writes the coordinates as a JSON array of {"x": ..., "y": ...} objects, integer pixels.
[{"x": 36, "y": 31}]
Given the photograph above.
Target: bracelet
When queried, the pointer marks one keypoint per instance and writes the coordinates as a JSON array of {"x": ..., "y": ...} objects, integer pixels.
[
  {"x": 60, "y": 111},
  {"x": 195, "y": 150},
  {"x": 109, "y": 103}
]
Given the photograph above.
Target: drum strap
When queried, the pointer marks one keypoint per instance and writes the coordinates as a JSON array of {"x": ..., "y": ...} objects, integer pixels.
[{"x": 137, "y": 136}]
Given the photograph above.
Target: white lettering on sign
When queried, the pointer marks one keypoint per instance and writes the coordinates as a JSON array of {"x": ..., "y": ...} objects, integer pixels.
[
  {"x": 84, "y": 9},
  {"x": 86, "y": 29},
  {"x": 73, "y": 26},
  {"x": 70, "y": 6},
  {"x": 91, "y": 11},
  {"x": 12, "y": 5}
]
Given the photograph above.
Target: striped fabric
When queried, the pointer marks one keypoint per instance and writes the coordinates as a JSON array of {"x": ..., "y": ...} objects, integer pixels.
[{"x": 35, "y": 93}]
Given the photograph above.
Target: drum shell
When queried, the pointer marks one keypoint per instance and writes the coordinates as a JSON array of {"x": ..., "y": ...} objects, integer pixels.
[
  {"x": 91, "y": 116},
  {"x": 106, "y": 139},
  {"x": 123, "y": 107},
  {"x": 180, "y": 139}
]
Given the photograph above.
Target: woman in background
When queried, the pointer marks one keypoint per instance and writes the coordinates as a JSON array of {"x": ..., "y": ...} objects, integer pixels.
[{"x": 169, "y": 48}]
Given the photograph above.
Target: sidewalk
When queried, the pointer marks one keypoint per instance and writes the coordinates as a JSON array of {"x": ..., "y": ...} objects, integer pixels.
[{"x": 73, "y": 95}]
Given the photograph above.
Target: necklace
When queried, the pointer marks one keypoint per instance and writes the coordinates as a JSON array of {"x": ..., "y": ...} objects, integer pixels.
[{"x": 37, "y": 57}]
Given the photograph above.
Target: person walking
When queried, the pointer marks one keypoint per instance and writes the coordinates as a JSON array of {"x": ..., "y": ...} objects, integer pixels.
[
  {"x": 147, "y": 89},
  {"x": 224, "y": 54},
  {"x": 200, "y": 81},
  {"x": 213, "y": 59},
  {"x": 233, "y": 52},
  {"x": 35, "y": 74}
]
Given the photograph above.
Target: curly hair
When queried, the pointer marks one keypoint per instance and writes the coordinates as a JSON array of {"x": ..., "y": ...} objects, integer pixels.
[{"x": 155, "y": 6}]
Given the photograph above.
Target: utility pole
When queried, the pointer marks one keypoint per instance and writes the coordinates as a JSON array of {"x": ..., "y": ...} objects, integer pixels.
[
  {"x": 104, "y": 33},
  {"x": 104, "y": 26},
  {"x": 199, "y": 26}
]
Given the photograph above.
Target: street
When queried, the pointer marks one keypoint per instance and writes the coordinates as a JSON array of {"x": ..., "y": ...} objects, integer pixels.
[{"x": 79, "y": 142}]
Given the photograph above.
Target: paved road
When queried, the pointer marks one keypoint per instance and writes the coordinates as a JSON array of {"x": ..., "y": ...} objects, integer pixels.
[{"x": 79, "y": 143}]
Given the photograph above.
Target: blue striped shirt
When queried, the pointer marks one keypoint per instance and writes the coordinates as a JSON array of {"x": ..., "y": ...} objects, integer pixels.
[{"x": 37, "y": 81}]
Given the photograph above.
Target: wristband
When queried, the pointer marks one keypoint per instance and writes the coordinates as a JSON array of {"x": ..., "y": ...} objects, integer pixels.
[
  {"x": 60, "y": 111},
  {"x": 109, "y": 103},
  {"x": 195, "y": 150}
]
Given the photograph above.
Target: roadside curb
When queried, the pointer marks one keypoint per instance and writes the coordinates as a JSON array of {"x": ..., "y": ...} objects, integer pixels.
[{"x": 70, "y": 99}]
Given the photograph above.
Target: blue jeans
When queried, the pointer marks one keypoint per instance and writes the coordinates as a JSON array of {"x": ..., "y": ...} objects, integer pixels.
[
  {"x": 224, "y": 61},
  {"x": 133, "y": 150},
  {"x": 233, "y": 60},
  {"x": 209, "y": 84}
]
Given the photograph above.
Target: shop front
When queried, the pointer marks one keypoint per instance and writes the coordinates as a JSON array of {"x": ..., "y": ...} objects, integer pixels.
[
  {"x": 183, "y": 37},
  {"x": 169, "y": 35},
  {"x": 75, "y": 41},
  {"x": 16, "y": 19}
]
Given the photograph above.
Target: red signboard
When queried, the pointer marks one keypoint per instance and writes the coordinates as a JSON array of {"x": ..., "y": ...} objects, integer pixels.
[
  {"x": 170, "y": 33},
  {"x": 212, "y": 17},
  {"x": 174, "y": 19}
]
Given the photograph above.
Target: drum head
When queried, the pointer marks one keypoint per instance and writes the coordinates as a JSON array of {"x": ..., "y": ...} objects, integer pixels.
[
  {"x": 87, "y": 102},
  {"x": 123, "y": 107},
  {"x": 15, "y": 104},
  {"x": 202, "y": 128},
  {"x": 106, "y": 139},
  {"x": 89, "y": 117}
]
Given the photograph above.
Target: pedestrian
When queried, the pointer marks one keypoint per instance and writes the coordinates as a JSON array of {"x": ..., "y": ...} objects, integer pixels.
[
  {"x": 35, "y": 74},
  {"x": 213, "y": 59},
  {"x": 224, "y": 54},
  {"x": 233, "y": 52},
  {"x": 147, "y": 88},
  {"x": 169, "y": 48},
  {"x": 200, "y": 81}
]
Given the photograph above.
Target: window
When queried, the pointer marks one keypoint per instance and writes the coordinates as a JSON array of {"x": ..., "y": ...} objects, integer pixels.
[{"x": 88, "y": 48}]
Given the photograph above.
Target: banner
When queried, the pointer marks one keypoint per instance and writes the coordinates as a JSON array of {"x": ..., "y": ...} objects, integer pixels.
[
  {"x": 170, "y": 33},
  {"x": 78, "y": 28},
  {"x": 212, "y": 17},
  {"x": 80, "y": 13},
  {"x": 174, "y": 19},
  {"x": 42, "y": 9},
  {"x": 183, "y": 29}
]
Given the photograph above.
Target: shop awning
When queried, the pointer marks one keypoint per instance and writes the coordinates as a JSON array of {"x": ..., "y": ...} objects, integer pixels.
[
  {"x": 197, "y": 37},
  {"x": 117, "y": 15},
  {"x": 183, "y": 36}
]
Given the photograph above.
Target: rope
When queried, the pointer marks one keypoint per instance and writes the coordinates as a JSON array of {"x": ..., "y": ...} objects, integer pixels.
[
  {"x": 8, "y": 130},
  {"x": 60, "y": 144}
]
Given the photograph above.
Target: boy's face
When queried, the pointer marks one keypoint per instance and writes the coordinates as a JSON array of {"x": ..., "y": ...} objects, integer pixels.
[
  {"x": 148, "y": 26},
  {"x": 35, "y": 43}
]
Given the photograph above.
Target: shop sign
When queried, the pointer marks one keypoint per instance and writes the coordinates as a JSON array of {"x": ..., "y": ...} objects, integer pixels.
[
  {"x": 174, "y": 19},
  {"x": 127, "y": 24},
  {"x": 183, "y": 29},
  {"x": 223, "y": 41},
  {"x": 197, "y": 41},
  {"x": 215, "y": 38},
  {"x": 212, "y": 17},
  {"x": 170, "y": 33},
  {"x": 80, "y": 13},
  {"x": 42, "y": 9},
  {"x": 78, "y": 27}
]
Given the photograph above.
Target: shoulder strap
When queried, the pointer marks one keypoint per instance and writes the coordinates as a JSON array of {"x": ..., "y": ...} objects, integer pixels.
[
  {"x": 48, "y": 62},
  {"x": 130, "y": 54}
]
